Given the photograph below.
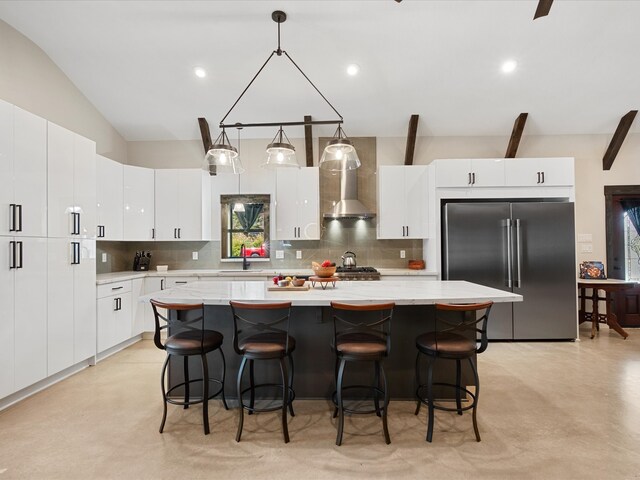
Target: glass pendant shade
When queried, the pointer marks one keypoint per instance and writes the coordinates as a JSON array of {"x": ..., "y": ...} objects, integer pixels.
[
  {"x": 222, "y": 157},
  {"x": 281, "y": 153},
  {"x": 339, "y": 154}
]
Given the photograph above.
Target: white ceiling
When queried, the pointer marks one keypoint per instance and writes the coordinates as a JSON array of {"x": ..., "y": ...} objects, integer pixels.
[{"x": 578, "y": 68}]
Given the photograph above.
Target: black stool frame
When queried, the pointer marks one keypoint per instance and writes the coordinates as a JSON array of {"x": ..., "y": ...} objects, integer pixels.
[
  {"x": 247, "y": 323},
  {"x": 468, "y": 323},
  {"x": 187, "y": 324},
  {"x": 373, "y": 326}
]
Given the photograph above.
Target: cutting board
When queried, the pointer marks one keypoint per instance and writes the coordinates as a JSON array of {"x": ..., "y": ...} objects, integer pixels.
[{"x": 289, "y": 288}]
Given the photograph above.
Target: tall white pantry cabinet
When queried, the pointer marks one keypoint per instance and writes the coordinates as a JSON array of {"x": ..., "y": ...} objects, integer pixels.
[{"x": 47, "y": 253}]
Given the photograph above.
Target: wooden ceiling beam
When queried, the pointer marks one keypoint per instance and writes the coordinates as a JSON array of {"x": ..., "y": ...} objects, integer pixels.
[
  {"x": 411, "y": 139},
  {"x": 205, "y": 133},
  {"x": 618, "y": 139},
  {"x": 543, "y": 8},
  {"x": 308, "y": 141},
  {"x": 516, "y": 135}
]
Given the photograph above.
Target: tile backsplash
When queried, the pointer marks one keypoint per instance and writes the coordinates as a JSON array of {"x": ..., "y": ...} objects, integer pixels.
[{"x": 336, "y": 236}]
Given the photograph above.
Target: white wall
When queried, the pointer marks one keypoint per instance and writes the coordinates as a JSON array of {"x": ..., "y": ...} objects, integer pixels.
[{"x": 30, "y": 80}]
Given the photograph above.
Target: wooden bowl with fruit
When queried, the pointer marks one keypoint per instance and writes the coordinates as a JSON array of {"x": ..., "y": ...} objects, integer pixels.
[{"x": 325, "y": 269}]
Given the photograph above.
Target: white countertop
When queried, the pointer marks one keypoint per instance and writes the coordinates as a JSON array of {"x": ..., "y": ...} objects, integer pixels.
[
  {"x": 104, "y": 278},
  {"x": 402, "y": 292}
]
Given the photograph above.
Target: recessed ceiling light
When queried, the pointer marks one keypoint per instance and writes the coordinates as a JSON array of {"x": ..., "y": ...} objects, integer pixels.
[
  {"x": 200, "y": 72},
  {"x": 509, "y": 66},
  {"x": 353, "y": 69}
]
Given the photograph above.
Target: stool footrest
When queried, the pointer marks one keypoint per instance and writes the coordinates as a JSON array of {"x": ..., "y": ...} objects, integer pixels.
[
  {"x": 192, "y": 402},
  {"x": 334, "y": 398},
  {"x": 424, "y": 400},
  {"x": 292, "y": 396}
]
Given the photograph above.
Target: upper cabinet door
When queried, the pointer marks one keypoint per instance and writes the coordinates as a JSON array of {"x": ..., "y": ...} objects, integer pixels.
[
  {"x": 6, "y": 172},
  {"x": 61, "y": 221},
  {"x": 190, "y": 204},
  {"x": 109, "y": 198},
  {"x": 453, "y": 173},
  {"x": 30, "y": 173},
  {"x": 487, "y": 172},
  {"x": 308, "y": 202},
  {"x": 139, "y": 207},
  {"x": 540, "y": 172},
  {"x": 416, "y": 206},
  {"x": 166, "y": 194},
  {"x": 84, "y": 184},
  {"x": 286, "y": 207},
  {"x": 557, "y": 172},
  {"x": 391, "y": 202}
]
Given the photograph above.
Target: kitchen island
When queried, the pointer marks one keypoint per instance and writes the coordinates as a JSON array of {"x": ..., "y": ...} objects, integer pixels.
[{"x": 312, "y": 326}]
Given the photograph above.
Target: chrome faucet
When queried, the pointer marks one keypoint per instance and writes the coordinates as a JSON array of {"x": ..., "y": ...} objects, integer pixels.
[{"x": 243, "y": 254}]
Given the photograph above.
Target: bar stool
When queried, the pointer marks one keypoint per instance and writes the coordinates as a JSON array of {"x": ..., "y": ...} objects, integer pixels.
[
  {"x": 361, "y": 333},
  {"x": 188, "y": 337},
  {"x": 257, "y": 337},
  {"x": 454, "y": 342}
]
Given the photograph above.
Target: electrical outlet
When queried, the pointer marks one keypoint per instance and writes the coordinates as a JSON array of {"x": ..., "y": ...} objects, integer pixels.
[
  {"x": 104, "y": 258},
  {"x": 586, "y": 248},
  {"x": 194, "y": 255},
  {"x": 403, "y": 254},
  {"x": 279, "y": 254},
  {"x": 299, "y": 254}
]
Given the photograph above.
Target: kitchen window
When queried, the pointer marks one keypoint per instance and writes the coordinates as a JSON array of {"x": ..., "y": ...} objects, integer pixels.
[{"x": 245, "y": 223}]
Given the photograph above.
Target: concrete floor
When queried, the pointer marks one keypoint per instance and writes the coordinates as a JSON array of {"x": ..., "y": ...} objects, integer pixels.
[{"x": 547, "y": 410}]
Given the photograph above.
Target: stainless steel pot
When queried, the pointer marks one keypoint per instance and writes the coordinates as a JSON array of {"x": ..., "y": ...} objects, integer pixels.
[{"x": 349, "y": 260}]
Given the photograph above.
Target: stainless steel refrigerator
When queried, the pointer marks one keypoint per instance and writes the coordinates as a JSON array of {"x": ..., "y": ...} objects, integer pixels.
[{"x": 524, "y": 247}]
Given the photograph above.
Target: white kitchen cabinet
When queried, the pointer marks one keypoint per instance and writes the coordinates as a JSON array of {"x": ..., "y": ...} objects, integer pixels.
[
  {"x": 139, "y": 206},
  {"x": 71, "y": 184},
  {"x": 23, "y": 173},
  {"x": 30, "y": 311},
  {"x": 182, "y": 204},
  {"x": 71, "y": 323},
  {"x": 403, "y": 202},
  {"x": 137, "y": 308},
  {"x": 544, "y": 172},
  {"x": 114, "y": 315},
  {"x": 109, "y": 196},
  {"x": 151, "y": 285},
  {"x": 297, "y": 206},
  {"x": 7, "y": 300},
  {"x": 477, "y": 172}
]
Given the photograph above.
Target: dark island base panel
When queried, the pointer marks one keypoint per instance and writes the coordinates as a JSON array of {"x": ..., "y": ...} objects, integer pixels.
[{"x": 314, "y": 360}]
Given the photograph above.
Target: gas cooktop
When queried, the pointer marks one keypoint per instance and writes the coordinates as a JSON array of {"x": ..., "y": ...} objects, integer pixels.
[{"x": 358, "y": 273}]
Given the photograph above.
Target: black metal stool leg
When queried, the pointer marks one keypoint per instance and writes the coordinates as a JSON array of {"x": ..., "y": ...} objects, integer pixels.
[
  {"x": 458, "y": 386},
  {"x": 337, "y": 367},
  {"x": 418, "y": 402},
  {"x": 340, "y": 405},
  {"x": 252, "y": 383},
  {"x": 205, "y": 393},
  {"x": 376, "y": 402},
  {"x": 285, "y": 398},
  {"x": 186, "y": 381},
  {"x": 475, "y": 400},
  {"x": 430, "y": 399},
  {"x": 224, "y": 374},
  {"x": 164, "y": 393},
  {"x": 385, "y": 428},
  {"x": 241, "y": 405},
  {"x": 291, "y": 384}
]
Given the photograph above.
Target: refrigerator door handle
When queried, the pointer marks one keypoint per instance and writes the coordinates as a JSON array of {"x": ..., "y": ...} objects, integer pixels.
[
  {"x": 509, "y": 254},
  {"x": 518, "y": 255}
]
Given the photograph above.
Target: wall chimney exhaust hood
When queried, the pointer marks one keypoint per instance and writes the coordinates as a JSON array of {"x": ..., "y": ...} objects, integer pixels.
[{"x": 349, "y": 206}]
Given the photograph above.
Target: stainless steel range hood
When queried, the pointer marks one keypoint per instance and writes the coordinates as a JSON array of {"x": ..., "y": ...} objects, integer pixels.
[{"x": 349, "y": 206}]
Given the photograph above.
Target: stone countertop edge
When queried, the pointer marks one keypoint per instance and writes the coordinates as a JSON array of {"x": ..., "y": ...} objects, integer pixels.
[{"x": 104, "y": 278}]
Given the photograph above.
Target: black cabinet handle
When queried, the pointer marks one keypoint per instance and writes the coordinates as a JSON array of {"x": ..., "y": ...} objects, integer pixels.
[
  {"x": 12, "y": 218},
  {"x": 541, "y": 172},
  {"x": 407, "y": 230},
  {"x": 162, "y": 284},
  {"x": 117, "y": 288},
  {"x": 473, "y": 176},
  {"x": 175, "y": 233},
  {"x": 118, "y": 302},
  {"x": 153, "y": 233},
  {"x": 20, "y": 255},
  {"x": 469, "y": 182},
  {"x": 19, "y": 208},
  {"x": 76, "y": 223},
  {"x": 538, "y": 177},
  {"x": 179, "y": 233},
  {"x": 12, "y": 255},
  {"x": 180, "y": 283},
  {"x": 76, "y": 253}
]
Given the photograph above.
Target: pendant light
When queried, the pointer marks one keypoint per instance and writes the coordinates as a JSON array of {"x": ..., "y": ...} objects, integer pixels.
[
  {"x": 339, "y": 154},
  {"x": 281, "y": 153},
  {"x": 222, "y": 157}
]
